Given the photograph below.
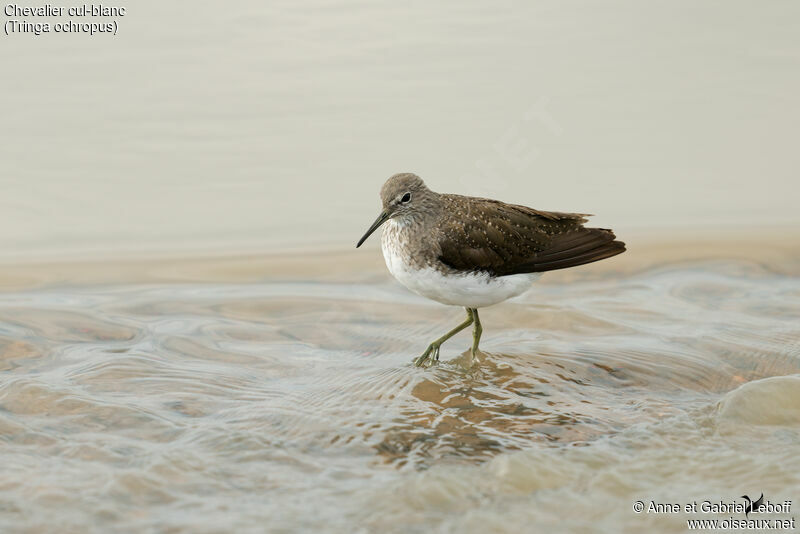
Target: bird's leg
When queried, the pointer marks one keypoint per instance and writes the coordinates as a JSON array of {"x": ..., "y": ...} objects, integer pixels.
[
  {"x": 432, "y": 352},
  {"x": 477, "y": 330}
]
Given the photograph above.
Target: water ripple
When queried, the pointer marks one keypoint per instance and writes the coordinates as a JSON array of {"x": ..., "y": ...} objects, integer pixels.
[{"x": 188, "y": 399}]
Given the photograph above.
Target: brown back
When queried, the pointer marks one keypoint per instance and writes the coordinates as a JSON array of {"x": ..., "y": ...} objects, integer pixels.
[{"x": 478, "y": 234}]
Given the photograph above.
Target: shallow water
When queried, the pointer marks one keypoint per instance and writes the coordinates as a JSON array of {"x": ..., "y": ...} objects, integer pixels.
[
  {"x": 290, "y": 403},
  {"x": 251, "y": 394}
]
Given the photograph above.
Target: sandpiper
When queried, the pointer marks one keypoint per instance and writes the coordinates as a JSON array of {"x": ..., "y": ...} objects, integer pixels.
[{"x": 476, "y": 252}]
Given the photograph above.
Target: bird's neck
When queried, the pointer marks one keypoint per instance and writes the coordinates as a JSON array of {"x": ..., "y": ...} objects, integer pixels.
[{"x": 427, "y": 209}]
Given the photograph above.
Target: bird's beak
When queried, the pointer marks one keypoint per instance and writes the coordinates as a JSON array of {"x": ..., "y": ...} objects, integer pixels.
[{"x": 379, "y": 221}]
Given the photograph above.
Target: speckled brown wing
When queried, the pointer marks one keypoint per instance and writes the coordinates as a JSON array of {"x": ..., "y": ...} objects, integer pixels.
[{"x": 503, "y": 239}]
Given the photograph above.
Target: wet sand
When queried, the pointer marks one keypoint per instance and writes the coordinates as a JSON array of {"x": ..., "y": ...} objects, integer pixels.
[
  {"x": 275, "y": 393},
  {"x": 774, "y": 248}
]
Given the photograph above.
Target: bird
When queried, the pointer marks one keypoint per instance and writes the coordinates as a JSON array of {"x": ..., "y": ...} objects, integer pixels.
[
  {"x": 752, "y": 506},
  {"x": 476, "y": 252}
]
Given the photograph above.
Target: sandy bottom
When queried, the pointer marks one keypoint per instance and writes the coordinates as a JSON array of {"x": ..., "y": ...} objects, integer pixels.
[{"x": 254, "y": 394}]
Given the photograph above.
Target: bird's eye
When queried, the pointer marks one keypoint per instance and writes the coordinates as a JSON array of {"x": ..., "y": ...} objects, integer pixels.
[{"x": 406, "y": 198}]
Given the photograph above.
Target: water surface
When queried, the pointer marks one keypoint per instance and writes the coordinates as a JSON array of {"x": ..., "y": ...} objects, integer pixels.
[
  {"x": 266, "y": 124},
  {"x": 289, "y": 402}
]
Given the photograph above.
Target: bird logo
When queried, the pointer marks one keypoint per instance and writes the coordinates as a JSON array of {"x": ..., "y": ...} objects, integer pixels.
[{"x": 753, "y": 505}]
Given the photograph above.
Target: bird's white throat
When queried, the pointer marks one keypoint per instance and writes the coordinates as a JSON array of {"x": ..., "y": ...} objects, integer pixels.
[{"x": 468, "y": 289}]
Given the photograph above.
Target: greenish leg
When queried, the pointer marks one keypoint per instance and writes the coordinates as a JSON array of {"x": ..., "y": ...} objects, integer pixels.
[
  {"x": 432, "y": 352},
  {"x": 477, "y": 330}
]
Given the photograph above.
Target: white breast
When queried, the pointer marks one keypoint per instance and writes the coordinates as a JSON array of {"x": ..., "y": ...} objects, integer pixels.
[{"x": 471, "y": 290}]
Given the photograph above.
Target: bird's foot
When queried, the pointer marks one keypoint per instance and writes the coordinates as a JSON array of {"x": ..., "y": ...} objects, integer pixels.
[
  {"x": 475, "y": 352},
  {"x": 431, "y": 354}
]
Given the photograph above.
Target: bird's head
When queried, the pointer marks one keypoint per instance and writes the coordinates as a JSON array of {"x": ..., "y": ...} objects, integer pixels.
[{"x": 404, "y": 196}]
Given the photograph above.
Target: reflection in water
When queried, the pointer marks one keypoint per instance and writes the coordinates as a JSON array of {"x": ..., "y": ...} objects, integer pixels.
[
  {"x": 478, "y": 410},
  {"x": 202, "y": 402}
]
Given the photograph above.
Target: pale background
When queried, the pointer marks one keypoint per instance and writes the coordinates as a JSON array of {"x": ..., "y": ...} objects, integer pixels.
[{"x": 267, "y": 125}]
